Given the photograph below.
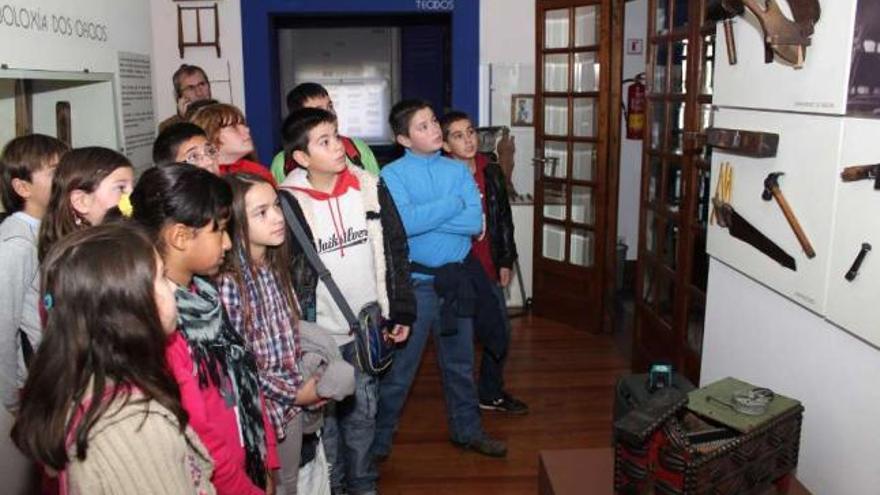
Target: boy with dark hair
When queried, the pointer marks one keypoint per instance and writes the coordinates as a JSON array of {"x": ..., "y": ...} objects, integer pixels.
[
  {"x": 359, "y": 238},
  {"x": 496, "y": 251},
  {"x": 441, "y": 211},
  {"x": 313, "y": 95},
  {"x": 185, "y": 143}
]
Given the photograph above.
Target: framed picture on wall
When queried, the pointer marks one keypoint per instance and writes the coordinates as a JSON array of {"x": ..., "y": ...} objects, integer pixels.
[{"x": 522, "y": 110}]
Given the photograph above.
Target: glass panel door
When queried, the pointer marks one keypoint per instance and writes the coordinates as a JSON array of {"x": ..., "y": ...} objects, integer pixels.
[
  {"x": 673, "y": 265},
  {"x": 571, "y": 136}
]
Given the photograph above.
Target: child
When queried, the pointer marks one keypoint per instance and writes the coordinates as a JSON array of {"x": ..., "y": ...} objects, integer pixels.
[
  {"x": 87, "y": 184},
  {"x": 228, "y": 132},
  {"x": 185, "y": 143},
  {"x": 26, "y": 168},
  {"x": 257, "y": 292},
  {"x": 185, "y": 209},
  {"x": 313, "y": 95},
  {"x": 99, "y": 406},
  {"x": 441, "y": 210},
  {"x": 496, "y": 251},
  {"x": 359, "y": 238}
]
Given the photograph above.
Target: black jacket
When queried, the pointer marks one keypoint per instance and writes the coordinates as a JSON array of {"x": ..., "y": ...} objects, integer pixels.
[
  {"x": 401, "y": 298},
  {"x": 499, "y": 219}
]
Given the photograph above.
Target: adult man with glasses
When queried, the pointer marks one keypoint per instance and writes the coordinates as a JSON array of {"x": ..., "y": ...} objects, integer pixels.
[{"x": 190, "y": 85}]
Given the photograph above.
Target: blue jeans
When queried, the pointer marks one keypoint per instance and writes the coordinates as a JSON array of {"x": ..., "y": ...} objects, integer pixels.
[
  {"x": 491, "y": 384},
  {"x": 455, "y": 355},
  {"x": 349, "y": 427}
]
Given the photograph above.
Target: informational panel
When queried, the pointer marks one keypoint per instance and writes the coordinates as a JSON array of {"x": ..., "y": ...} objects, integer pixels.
[
  {"x": 71, "y": 51},
  {"x": 854, "y": 300},
  {"x": 820, "y": 86},
  {"x": 138, "y": 122},
  {"x": 808, "y": 153},
  {"x": 362, "y": 108}
]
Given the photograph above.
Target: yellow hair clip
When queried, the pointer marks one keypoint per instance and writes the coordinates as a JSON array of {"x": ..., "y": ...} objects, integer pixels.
[{"x": 125, "y": 206}]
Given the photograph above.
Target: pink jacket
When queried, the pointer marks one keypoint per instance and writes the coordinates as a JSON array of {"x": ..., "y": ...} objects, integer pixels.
[{"x": 216, "y": 424}]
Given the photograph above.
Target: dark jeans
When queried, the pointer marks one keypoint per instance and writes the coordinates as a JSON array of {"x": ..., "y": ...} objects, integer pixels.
[
  {"x": 455, "y": 355},
  {"x": 349, "y": 428},
  {"x": 491, "y": 385}
]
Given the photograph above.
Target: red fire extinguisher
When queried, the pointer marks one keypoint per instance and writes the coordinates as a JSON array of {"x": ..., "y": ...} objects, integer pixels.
[{"x": 635, "y": 108}]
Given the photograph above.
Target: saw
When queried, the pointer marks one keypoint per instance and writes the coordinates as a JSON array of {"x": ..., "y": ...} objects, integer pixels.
[{"x": 742, "y": 229}]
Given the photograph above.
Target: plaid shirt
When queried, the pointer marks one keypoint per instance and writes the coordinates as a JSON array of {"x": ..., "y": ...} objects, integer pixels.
[{"x": 272, "y": 338}]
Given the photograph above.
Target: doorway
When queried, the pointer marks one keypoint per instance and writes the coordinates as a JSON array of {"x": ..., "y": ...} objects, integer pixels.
[
  {"x": 265, "y": 108},
  {"x": 367, "y": 64}
]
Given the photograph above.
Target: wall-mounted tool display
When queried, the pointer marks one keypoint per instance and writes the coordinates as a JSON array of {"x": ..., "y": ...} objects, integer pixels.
[
  {"x": 742, "y": 229},
  {"x": 853, "y": 271},
  {"x": 862, "y": 172},
  {"x": 755, "y": 144},
  {"x": 771, "y": 192}
]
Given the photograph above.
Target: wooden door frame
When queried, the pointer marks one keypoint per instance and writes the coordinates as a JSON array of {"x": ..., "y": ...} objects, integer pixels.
[
  {"x": 672, "y": 347},
  {"x": 608, "y": 156}
]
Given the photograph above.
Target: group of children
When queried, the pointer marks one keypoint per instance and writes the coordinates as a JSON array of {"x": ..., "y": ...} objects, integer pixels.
[{"x": 170, "y": 335}]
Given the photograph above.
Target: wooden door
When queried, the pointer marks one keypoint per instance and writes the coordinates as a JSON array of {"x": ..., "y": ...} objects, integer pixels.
[
  {"x": 673, "y": 265},
  {"x": 572, "y": 100}
]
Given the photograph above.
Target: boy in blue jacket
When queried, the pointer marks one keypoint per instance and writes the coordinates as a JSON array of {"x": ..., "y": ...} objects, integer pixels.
[{"x": 440, "y": 207}]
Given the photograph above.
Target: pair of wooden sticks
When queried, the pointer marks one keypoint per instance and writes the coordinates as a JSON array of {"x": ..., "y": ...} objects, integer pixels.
[{"x": 723, "y": 188}]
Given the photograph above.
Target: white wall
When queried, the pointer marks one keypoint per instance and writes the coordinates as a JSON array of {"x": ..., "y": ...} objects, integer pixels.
[
  {"x": 507, "y": 44},
  {"x": 778, "y": 344},
  {"x": 635, "y": 27},
  {"x": 225, "y": 72}
]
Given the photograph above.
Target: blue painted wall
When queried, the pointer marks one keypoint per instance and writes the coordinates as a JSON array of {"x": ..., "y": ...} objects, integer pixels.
[{"x": 264, "y": 108}]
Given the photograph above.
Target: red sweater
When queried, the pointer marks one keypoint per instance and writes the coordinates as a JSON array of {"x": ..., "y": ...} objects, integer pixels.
[
  {"x": 243, "y": 165},
  {"x": 481, "y": 248}
]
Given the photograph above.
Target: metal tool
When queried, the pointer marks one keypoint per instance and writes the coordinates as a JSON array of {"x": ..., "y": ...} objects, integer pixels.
[
  {"x": 772, "y": 191},
  {"x": 857, "y": 263},
  {"x": 742, "y": 229},
  {"x": 862, "y": 172}
]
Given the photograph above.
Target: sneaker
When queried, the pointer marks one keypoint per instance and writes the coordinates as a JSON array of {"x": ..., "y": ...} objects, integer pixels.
[
  {"x": 506, "y": 403},
  {"x": 485, "y": 445}
]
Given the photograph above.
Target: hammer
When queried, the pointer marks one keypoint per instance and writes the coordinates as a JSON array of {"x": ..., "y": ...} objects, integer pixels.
[{"x": 771, "y": 191}]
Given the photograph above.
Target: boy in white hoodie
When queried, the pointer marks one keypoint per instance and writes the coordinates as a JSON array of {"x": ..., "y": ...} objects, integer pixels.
[{"x": 357, "y": 233}]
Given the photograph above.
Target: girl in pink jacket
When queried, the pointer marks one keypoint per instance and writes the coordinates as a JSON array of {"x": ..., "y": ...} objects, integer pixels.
[{"x": 186, "y": 210}]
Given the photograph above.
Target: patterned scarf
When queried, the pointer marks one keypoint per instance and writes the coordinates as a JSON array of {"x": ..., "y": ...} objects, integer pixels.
[{"x": 222, "y": 360}]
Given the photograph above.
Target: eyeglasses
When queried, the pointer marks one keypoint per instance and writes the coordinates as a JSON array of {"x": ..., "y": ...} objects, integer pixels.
[
  {"x": 193, "y": 87},
  {"x": 195, "y": 157}
]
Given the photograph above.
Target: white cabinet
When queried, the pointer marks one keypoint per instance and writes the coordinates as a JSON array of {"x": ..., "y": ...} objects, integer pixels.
[
  {"x": 855, "y": 305},
  {"x": 820, "y": 86},
  {"x": 808, "y": 154}
]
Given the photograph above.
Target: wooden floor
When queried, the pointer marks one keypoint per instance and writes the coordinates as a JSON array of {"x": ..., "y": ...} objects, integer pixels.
[{"x": 565, "y": 375}]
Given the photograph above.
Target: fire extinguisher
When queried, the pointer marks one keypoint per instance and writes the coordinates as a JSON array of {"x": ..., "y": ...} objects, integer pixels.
[{"x": 635, "y": 107}]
